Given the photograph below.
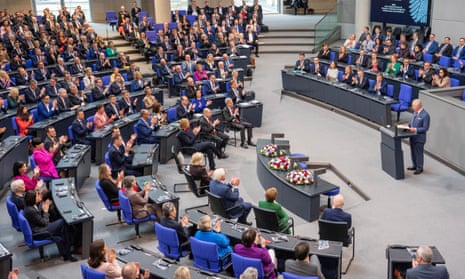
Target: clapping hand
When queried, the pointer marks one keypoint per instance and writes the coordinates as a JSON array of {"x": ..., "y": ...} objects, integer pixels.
[
  {"x": 111, "y": 255},
  {"x": 216, "y": 122},
  {"x": 154, "y": 121}
]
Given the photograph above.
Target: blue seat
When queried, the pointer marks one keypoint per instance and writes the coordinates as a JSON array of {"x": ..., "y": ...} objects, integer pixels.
[
  {"x": 88, "y": 273},
  {"x": 168, "y": 242},
  {"x": 108, "y": 204},
  {"x": 463, "y": 96},
  {"x": 151, "y": 36},
  {"x": 33, "y": 165},
  {"x": 445, "y": 61},
  {"x": 287, "y": 275},
  {"x": 332, "y": 56},
  {"x": 371, "y": 85},
  {"x": 142, "y": 14},
  {"x": 28, "y": 63},
  {"x": 390, "y": 90},
  {"x": 191, "y": 19},
  {"x": 70, "y": 133},
  {"x": 405, "y": 98},
  {"x": 13, "y": 212},
  {"x": 172, "y": 25},
  {"x": 111, "y": 18},
  {"x": 171, "y": 115},
  {"x": 14, "y": 125},
  {"x": 29, "y": 238},
  {"x": 241, "y": 263},
  {"x": 128, "y": 216},
  {"x": 35, "y": 115},
  {"x": 454, "y": 82},
  {"x": 349, "y": 59},
  {"x": 106, "y": 80},
  {"x": 91, "y": 120},
  {"x": 339, "y": 75},
  {"x": 206, "y": 256},
  {"x": 330, "y": 194},
  {"x": 428, "y": 57}
]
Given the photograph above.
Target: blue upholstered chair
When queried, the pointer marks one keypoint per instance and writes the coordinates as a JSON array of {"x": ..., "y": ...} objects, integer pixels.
[
  {"x": 128, "y": 215},
  {"x": 405, "y": 99},
  {"x": 168, "y": 242},
  {"x": 206, "y": 256},
  {"x": 13, "y": 212},
  {"x": 29, "y": 237},
  {"x": 241, "y": 263},
  {"x": 108, "y": 204}
]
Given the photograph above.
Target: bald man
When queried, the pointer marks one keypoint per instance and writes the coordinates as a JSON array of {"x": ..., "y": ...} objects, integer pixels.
[
  {"x": 419, "y": 124},
  {"x": 337, "y": 214},
  {"x": 422, "y": 267},
  {"x": 131, "y": 270}
]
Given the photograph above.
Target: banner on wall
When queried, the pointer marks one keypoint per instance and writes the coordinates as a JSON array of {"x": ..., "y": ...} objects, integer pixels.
[{"x": 404, "y": 12}]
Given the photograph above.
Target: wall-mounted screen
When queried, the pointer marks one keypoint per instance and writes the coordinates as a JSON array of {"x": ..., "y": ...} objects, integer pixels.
[{"x": 405, "y": 12}]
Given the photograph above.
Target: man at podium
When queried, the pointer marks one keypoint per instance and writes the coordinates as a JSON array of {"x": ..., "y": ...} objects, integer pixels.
[{"x": 419, "y": 124}]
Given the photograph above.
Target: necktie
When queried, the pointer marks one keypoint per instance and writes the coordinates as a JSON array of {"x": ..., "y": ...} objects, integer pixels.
[
  {"x": 116, "y": 111},
  {"x": 442, "y": 49}
]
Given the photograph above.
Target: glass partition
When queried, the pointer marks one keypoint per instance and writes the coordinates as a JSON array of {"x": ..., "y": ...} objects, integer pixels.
[{"x": 325, "y": 27}]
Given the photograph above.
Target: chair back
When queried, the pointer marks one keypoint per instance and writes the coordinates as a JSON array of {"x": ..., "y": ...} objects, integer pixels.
[
  {"x": 463, "y": 96},
  {"x": 151, "y": 36},
  {"x": 266, "y": 219},
  {"x": 14, "y": 125},
  {"x": 70, "y": 133},
  {"x": 445, "y": 61},
  {"x": 287, "y": 275},
  {"x": 194, "y": 185},
  {"x": 106, "y": 80},
  {"x": 428, "y": 57},
  {"x": 104, "y": 198},
  {"x": 178, "y": 158},
  {"x": 171, "y": 115},
  {"x": 89, "y": 273},
  {"x": 107, "y": 159},
  {"x": 125, "y": 205},
  {"x": 91, "y": 120},
  {"x": 26, "y": 230},
  {"x": 168, "y": 242},
  {"x": 32, "y": 162},
  {"x": 405, "y": 94},
  {"x": 390, "y": 90},
  {"x": 206, "y": 255},
  {"x": 371, "y": 84},
  {"x": 35, "y": 115},
  {"x": 13, "y": 212},
  {"x": 454, "y": 82},
  {"x": 110, "y": 15},
  {"x": 333, "y": 231},
  {"x": 216, "y": 205},
  {"x": 241, "y": 263}
]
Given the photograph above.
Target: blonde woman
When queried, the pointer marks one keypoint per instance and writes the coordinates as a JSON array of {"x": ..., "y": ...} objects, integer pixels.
[{"x": 198, "y": 170}]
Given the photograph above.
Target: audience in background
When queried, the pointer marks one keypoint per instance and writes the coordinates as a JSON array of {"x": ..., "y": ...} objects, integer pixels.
[
  {"x": 423, "y": 268},
  {"x": 304, "y": 265},
  {"x": 103, "y": 260},
  {"x": 20, "y": 172}
]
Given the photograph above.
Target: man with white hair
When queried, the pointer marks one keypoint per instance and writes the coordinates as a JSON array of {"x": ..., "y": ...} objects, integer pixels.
[
  {"x": 131, "y": 270},
  {"x": 249, "y": 273},
  {"x": 422, "y": 267},
  {"x": 18, "y": 188},
  {"x": 337, "y": 214},
  {"x": 419, "y": 124},
  {"x": 229, "y": 193}
]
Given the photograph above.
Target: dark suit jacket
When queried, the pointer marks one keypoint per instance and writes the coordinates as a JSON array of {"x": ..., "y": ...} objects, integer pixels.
[
  {"x": 118, "y": 159},
  {"x": 110, "y": 111},
  {"x": 364, "y": 60},
  {"x": 75, "y": 69},
  {"x": 200, "y": 173},
  {"x": 187, "y": 138},
  {"x": 337, "y": 215},
  {"x": 20, "y": 80},
  {"x": 421, "y": 122},
  {"x": 383, "y": 89},
  {"x": 37, "y": 219},
  {"x": 63, "y": 104},
  {"x": 205, "y": 127},
  {"x": 32, "y": 96},
  {"x": 74, "y": 99},
  {"x": 460, "y": 55},
  {"x": 97, "y": 93},
  {"x": 182, "y": 113},
  {"x": 115, "y": 89},
  {"x": 209, "y": 90},
  {"x": 39, "y": 75},
  {"x": 305, "y": 66},
  {"x": 79, "y": 131},
  {"x": 60, "y": 72},
  {"x": 314, "y": 71},
  {"x": 228, "y": 194},
  {"x": 124, "y": 105},
  {"x": 410, "y": 72},
  {"x": 144, "y": 132},
  {"x": 362, "y": 84},
  {"x": 428, "y": 76},
  {"x": 183, "y": 236},
  {"x": 447, "y": 51},
  {"x": 426, "y": 271}
]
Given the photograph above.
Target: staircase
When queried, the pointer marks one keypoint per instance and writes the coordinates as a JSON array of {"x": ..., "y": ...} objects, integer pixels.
[{"x": 288, "y": 41}]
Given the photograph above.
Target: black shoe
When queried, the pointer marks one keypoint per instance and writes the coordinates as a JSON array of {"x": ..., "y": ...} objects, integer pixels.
[
  {"x": 71, "y": 259},
  {"x": 417, "y": 172},
  {"x": 412, "y": 168},
  {"x": 251, "y": 143},
  {"x": 256, "y": 55},
  {"x": 223, "y": 156},
  {"x": 248, "y": 223},
  {"x": 243, "y": 145}
]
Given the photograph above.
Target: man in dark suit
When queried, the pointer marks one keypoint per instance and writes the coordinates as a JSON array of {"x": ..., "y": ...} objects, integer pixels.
[
  {"x": 407, "y": 70},
  {"x": 302, "y": 64},
  {"x": 80, "y": 128},
  {"x": 146, "y": 127},
  {"x": 337, "y": 214},
  {"x": 63, "y": 101},
  {"x": 184, "y": 109},
  {"x": 33, "y": 93},
  {"x": 251, "y": 38},
  {"x": 46, "y": 109},
  {"x": 211, "y": 87},
  {"x": 112, "y": 108},
  {"x": 23, "y": 77},
  {"x": 77, "y": 67},
  {"x": 422, "y": 267},
  {"x": 362, "y": 59},
  {"x": 380, "y": 86},
  {"x": 41, "y": 73},
  {"x": 99, "y": 92},
  {"x": 229, "y": 194},
  {"x": 125, "y": 103},
  {"x": 52, "y": 89},
  {"x": 459, "y": 51},
  {"x": 54, "y": 145},
  {"x": 445, "y": 49},
  {"x": 426, "y": 74},
  {"x": 232, "y": 119},
  {"x": 419, "y": 124},
  {"x": 431, "y": 46},
  {"x": 360, "y": 80},
  {"x": 121, "y": 159},
  {"x": 316, "y": 68},
  {"x": 191, "y": 88},
  {"x": 169, "y": 220},
  {"x": 304, "y": 265},
  {"x": 208, "y": 131}
]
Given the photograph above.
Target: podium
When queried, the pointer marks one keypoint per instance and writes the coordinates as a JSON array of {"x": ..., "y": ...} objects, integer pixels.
[{"x": 392, "y": 158}]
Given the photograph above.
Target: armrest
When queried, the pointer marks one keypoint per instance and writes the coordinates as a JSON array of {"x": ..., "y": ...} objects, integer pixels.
[
  {"x": 231, "y": 208},
  {"x": 227, "y": 256}
]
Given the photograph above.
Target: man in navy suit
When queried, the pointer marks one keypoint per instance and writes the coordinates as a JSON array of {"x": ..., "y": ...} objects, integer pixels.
[
  {"x": 302, "y": 63},
  {"x": 431, "y": 46},
  {"x": 252, "y": 39},
  {"x": 33, "y": 92},
  {"x": 407, "y": 70},
  {"x": 80, "y": 128},
  {"x": 337, "y": 214},
  {"x": 146, "y": 127},
  {"x": 184, "y": 109},
  {"x": 46, "y": 109},
  {"x": 360, "y": 80},
  {"x": 380, "y": 86},
  {"x": 121, "y": 158},
  {"x": 211, "y": 86},
  {"x": 419, "y": 124},
  {"x": 459, "y": 51},
  {"x": 422, "y": 267},
  {"x": 229, "y": 194}
]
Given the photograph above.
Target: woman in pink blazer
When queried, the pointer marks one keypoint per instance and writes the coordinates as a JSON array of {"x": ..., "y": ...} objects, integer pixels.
[
  {"x": 43, "y": 159},
  {"x": 101, "y": 119}
]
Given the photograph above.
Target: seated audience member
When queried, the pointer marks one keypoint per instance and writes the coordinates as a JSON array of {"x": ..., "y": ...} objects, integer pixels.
[
  {"x": 367, "y": 44},
  {"x": 253, "y": 245},
  {"x": 417, "y": 53},
  {"x": 33, "y": 93},
  {"x": 403, "y": 52},
  {"x": 316, "y": 68},
  {"x": 81, "y": 129},
  {"x": 200, "y": 74},
  {"x": 459, "y": 51},
  {"x": 138, "y": 83},
  {"x": 249, "y": 273},
  {"x": 55, "y": 145},
  {"x": 374, "y": 64},
  {"x": 342, "y": 55},
  {"x": 211, "y": 86},
  {"x": 378, "y": 46},
  {"x": 237, "y": 93},
  {"x": 43, "y": 159},
  {"x": 302, "y": 63},
  {"x": 103, "y": 260},
  {"x": 270, "y": 203},
  {"x": 76, "y": 98},
  {"x": 222, "y": 72},
  {"x": 337, "y": 214},
  {"x": 149, "y": 100},
  {"x": 347, "y": 75},
  {"x": 160, "y": 114},
  {"x": 442, "y": 79},
  {"x": 182, "y": 227},
  {"x": 232, "y": 118},
  {"x": 407, "y": 70},
  {"x": 109, "y": 185},
  {"x": 445, "y": 49},
  {"x": 23, "y": 77},
  {"x": 426, "y": 73},
  {"x": 423, "y": 268},
  {"x": 184, "y": 109},
  {"x": 332, "y": 72},
  {"x": 350, "y": 42},
  {"x": 20, "y": 172},
  {"x": 127, "y": 105},
  {"x": 304, "y": 265},
  {"x": 190, "y": 138},
  {"x": 117, "y": 86},
  {"x": 198, "y": 102},
  {"x": 362, "y": 59},
  {"x": 18, "y": 189},
  {"x": 389, "y": 48},
  {"x": 212, "y": 233},
  {"x": 24, "y": 120},
  {"x": 324, "y": 52},
  {"x": 360, "y": 80},
  {"x": 181, "y": 272},
  {"x": 112, "y": 108},
  {"x": 89, "y": 79},
  {"x": 140, "y": 200},
  {"x": 380, "y": 86},
  {"x": 430, "y": 46},
  {"x": 229, "y": 194},
  {"x": 393, "y": 67},
  {"x": 131, "y": 270},
  {"x": 121, "y": 157},
  {"x": 99, "y": 92},
  {"x": 101, "y": 118},
  {"x": 14, "y": 99},
  {"x": 64, "y": 104},
  {"x": 37, "y": 214},
  {"x": 5, "y": 80},
  {"x": 46, "y": 108},
  {"x": 198, "y": 171},
  {"x": 191, "y": 88},
  {"x": 208, "y": 131},
  {"x": 145, "y": 128}
]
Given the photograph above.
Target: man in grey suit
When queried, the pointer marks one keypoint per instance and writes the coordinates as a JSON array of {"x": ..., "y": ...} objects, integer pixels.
[
  {"x": 422, "y": 267},
  {"x": 419, "y": 124},
  {"x": 304, "y": 265}
]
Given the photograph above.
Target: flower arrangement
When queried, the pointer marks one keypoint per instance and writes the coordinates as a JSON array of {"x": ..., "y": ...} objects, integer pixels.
[
  {"x": 282, "y": 163},
  {"x": 271, "y": 150},
  {"x": 300, "y": 177}
]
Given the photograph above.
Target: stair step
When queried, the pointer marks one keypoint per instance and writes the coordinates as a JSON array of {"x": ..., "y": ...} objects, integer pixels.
[
  {"x": 286, "y": 49},
  {"x": 288, "y": 41}
]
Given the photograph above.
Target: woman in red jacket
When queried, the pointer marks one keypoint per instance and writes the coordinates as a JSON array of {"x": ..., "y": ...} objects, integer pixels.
[{"x": 23, "y": 120}]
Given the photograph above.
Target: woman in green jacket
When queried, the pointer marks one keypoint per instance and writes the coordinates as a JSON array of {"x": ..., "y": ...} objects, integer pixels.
[{"x": 270, "y": 203}]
